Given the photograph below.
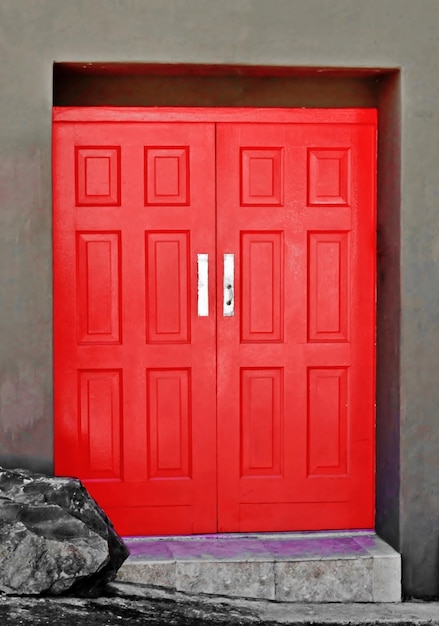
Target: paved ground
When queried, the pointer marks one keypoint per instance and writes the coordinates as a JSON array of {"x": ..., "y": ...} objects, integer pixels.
[{"x": 137, "y": 605}]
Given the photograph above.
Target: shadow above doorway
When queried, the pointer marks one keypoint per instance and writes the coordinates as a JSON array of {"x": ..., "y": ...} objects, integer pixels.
[{"x": 121, "y": 84}]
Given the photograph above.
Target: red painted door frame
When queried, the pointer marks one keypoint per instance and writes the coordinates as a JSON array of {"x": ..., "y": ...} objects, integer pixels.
[{"x": 305, "y": 367}]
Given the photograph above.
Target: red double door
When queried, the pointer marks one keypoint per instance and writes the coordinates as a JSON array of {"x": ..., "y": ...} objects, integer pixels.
[{"x": 214, "y": 292}]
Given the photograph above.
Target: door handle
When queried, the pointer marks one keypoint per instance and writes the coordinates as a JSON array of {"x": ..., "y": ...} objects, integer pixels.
[
  {"x": 229, "y": 285},
  {"x": 203, "y": 285}
]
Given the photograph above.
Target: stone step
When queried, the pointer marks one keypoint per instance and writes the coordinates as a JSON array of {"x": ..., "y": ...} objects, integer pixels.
[{"x": 287, "y": 567}]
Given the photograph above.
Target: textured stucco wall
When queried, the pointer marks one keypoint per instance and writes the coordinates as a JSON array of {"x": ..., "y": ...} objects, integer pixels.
[{"x": 365, "y": 33}]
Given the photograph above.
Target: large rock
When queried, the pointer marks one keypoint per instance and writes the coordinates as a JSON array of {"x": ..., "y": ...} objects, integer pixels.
[{"x": 54, "y": 538}]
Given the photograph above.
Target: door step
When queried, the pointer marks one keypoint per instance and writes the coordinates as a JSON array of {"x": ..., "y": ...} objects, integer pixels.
[{"x": 289, "y": 567}]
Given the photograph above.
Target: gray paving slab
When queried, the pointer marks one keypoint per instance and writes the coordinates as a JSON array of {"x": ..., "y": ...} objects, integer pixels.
[
  {"x": 150, "y": 550},
  {"x": 227, "y": 578},
  {"x": 338, "y": 580},
  {"x": 229, "y": 549},
  {"x": 374, "y": 545},
  {"x": 315, "y": 548},
  {"x": 160, "y": 573}
]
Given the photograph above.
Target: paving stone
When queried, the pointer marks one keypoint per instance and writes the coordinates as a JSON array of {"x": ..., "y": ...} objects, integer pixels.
[
  {"x": 160, "y": 573},
  {"x": 154, "y": 550},
  {"x": 324, "y": 580},
  {"x": 387, "y": 579},
  {"x": 247, "y": 580},
  {"x": 310, "y": 548},
  {"x": 229, "y": 549}
]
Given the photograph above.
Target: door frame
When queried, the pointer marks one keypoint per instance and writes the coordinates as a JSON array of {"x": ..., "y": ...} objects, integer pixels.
[{"x": 220, "y": 114}]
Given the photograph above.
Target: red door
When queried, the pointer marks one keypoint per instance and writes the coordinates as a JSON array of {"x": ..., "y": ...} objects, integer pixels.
[
  {"x": 296, "y": 361},
  {"x": 214, "y": 316},
  {"x": 134, "y": 363}
]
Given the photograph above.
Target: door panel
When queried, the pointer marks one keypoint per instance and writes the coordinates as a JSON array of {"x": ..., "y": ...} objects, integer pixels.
[
  {"x": 134, "y": 363},
  {"x": 295, "y": 362}
]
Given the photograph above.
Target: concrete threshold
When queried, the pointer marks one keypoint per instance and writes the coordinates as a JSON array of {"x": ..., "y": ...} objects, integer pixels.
[{"x": 354, "y": 566}]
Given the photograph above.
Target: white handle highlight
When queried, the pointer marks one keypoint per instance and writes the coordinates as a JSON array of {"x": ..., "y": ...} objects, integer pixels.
[
  {"x": 229, "y": 285},
  {"x": 203, "y": 284}
]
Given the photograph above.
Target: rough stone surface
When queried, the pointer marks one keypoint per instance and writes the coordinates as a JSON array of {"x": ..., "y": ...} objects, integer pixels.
[
  {"x": 54, "y": 538},
  {"x": 137, "y": 605},
  {"x": 158, "y": 573},
  {"x": 247, "y": 580},
  {"x": 344, "y": 580},
  {"x": 332, "y": 566}
]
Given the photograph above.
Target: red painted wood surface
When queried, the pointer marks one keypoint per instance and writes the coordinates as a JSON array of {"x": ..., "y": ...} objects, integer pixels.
[
  {"x": 155, "y": 407},
  {"x": 135, "y": 383},
  {"x": 214, "y": 115},
  {"x": 296, "y": 361}
]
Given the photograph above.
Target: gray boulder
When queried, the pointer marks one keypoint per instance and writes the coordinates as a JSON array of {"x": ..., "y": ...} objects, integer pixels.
[{"x": 54, "y": 538}]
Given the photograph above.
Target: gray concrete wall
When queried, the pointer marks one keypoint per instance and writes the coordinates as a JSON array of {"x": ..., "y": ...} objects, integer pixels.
[{"x": 341, "y": 33}]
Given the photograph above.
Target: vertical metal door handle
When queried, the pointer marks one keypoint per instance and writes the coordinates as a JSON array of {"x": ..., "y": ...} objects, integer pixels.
[
  {"x": 203, "y": 284},
  {"x": 229, "y": 285}
]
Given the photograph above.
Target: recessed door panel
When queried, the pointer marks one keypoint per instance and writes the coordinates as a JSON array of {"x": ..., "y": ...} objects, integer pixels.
[
  {"x": 167, "y": 287},
  {"x": 262, "y": 286}
]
